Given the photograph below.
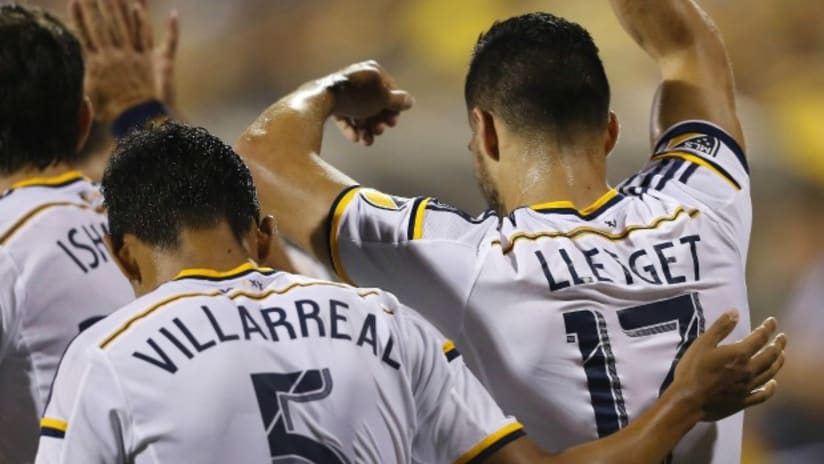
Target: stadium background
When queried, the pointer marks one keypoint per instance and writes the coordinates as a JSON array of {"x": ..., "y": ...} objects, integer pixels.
[{"x": 238, "y": 56}]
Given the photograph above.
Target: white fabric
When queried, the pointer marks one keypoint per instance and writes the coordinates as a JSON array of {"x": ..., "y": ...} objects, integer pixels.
[
  {"x": 532, "y": 295},
  {"x": 239, "y": 367},
  {"x": 55, "y": 276}
]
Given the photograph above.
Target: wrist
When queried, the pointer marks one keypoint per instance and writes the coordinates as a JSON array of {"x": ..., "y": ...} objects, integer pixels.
[
  {"x": 318, "y": 96},
  {"x": 140, "y": 115},
  {"x": 685, "y": 402}
]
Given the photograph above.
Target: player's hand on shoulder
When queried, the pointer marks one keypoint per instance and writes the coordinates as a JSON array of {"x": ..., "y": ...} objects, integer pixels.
[
  {"x": 123, "y": 67},
  {"x": 367, "y": 101},
  {"x": 722, "y": 380}
]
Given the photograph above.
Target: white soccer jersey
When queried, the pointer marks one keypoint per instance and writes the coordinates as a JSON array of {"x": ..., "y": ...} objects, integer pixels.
[
  {"x": 56, "y": 278},
  {"x": 574, "y": 318},
  {"x": 254, "y": 366}
]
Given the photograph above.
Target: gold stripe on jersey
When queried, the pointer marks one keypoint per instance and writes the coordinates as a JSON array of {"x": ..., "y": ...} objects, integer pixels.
[
  {"x": 612, "y": 193},
  {"x": 448, "y": 346},
  {"x": 126, "y": 325},
  {"x": 701, "y": 162},
  {"x": 579, "y": 232},
  {"x": 46, "y": 181},
  {"x": 213, "y": 274},
  {"x": 340, "y": 208},
  {"x": 231, "y": 295},
  {"x": 417, "y": 225},
  {"x": 31, "y": 214},
  {"x": 489, "y": 442},
  {"x": 56, "y": 424},
  {"x": 681, "y": 138}
]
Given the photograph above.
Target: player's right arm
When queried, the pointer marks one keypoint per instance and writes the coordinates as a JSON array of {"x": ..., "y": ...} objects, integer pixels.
[
  {"x": 461, "y": 419},
  {"x": 86, "y": 419}
]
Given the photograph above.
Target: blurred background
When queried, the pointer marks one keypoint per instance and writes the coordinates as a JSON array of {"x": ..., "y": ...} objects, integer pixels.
[{"x": 238, "y": 56}]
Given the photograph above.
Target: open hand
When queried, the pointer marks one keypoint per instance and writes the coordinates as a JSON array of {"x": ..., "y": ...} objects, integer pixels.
[
  {"x": 123, "y": 67},
  {"x": 367, "y": 101},
  {"x": 726, "y": 379}
]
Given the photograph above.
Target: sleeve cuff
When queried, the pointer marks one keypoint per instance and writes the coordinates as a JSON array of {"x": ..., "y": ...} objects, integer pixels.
[
  {"x": 333, "y": 226},
  {"x": 492, "y": 443},
  {"x": 676, "y": 136},
  {"x": 137, "y": 116}
]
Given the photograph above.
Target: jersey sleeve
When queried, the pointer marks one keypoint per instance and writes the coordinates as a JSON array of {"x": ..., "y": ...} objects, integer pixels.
[
  {"x": 85, "y": 419},
  {"x": 425, "y": 252},
  {"x": 458, "y": 421},
  {"x": 701, "y": 165}
]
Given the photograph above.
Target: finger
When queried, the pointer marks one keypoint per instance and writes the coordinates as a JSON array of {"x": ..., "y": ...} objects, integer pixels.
[
  {"x": 80, "y": 27},
  {"x": 764, "y": 359},
  {"x": 345, "y": 128},
  {"x": 392, "y": 119},
  {"x": 768, "y": 374},
  {"x": 762, "y": 394},
  {"x": 719, "y": 329},
  {"x": 143, "y": 30},
  {"x": 400, "y": 100},
  {"x": 169, "y": 47},
  {"x": 95, "y": 24},
  {"x": 759, "y": 337},
  {"x": 115, "y": 23}
]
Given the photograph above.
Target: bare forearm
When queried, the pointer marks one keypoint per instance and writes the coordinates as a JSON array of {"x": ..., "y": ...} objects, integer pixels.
[
  {"x": 294, "y": 185},
  {"x": 696, "y": 75},
  {"x": 666, "y": 27},
  {"x": 647, "y": 439}
]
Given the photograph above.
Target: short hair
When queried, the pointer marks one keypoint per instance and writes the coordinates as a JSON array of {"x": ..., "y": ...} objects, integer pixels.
[
  {"x": 538, "y": 72},
  {"x": 41, "y": 89},
  {"x": 174, "y": 176}
]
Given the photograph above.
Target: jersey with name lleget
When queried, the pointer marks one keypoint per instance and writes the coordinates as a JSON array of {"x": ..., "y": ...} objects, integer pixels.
[
  {"x": 254, "y": 365},
  {"x": 574, "y": 318},
  {"x": 56, "y": 278}
]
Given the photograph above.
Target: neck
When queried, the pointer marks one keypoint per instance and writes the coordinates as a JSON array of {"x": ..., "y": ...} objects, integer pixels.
[
  {"x": 545, "y": 175},
  {"x": 216, "y": 249},
  {"x": 8, "y": 180}
]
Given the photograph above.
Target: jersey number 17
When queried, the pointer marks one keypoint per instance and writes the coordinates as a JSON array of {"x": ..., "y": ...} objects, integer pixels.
[{"x": 683, "y": 314}]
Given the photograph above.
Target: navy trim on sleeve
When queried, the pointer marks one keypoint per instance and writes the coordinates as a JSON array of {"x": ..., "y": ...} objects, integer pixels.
[
  {"x": 706, "y": 128},
  {"x": 410, "y": 230}
]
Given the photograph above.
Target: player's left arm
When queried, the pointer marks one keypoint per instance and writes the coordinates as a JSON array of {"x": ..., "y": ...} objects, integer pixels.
[
  {"x": 85, "y": 418},
  {"x": 696, "y": 76}
]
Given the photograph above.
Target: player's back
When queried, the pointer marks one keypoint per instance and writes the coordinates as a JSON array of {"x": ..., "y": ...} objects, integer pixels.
[
  {"x": 253, "y": 366},
  {"x": 588, "y": 313},
  {"x": 574, "y": 318},
  {"x": 56, "y": 278}
]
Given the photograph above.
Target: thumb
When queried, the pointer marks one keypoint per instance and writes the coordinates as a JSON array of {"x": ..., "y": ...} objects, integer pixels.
[
  {"x": 721, "y": 328},
  {"x": 400, "y": 100}
]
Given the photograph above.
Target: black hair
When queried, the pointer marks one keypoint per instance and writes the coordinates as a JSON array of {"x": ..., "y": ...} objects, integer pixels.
[
  {"x": 174, "y": 176},
  {"x": 538, "y": 72},
  {"x": 41, "y": 89}
]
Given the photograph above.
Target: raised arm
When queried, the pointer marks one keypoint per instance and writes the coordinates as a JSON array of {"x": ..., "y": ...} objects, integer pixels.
[
  {"x": 282, "y": 147},
  {"x": 696, "y": 76}
]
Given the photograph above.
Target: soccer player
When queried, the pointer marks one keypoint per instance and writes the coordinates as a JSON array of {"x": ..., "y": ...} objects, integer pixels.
[
  {"x": 574, "y": 301},
  {"x": 220, "y": 360},
  {"x": 56, "y": 276}
]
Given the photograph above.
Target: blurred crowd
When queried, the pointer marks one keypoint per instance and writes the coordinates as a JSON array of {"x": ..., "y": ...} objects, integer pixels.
[{"x": 238, "y": 56}]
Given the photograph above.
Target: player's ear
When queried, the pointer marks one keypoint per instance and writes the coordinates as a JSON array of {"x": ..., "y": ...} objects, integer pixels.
[
  {"x": 124, "y": 258},
  {"x": 613, "y": 132},
  {"x": 85, "y": 119},
  {"x": 487, "y": 133},
  {"x": 266, "y": 235}
]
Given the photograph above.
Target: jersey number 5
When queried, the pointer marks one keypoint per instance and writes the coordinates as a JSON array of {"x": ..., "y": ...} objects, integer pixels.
[
  {"x": 275, "y": 394},
  {"x": 683, "y": 314}
]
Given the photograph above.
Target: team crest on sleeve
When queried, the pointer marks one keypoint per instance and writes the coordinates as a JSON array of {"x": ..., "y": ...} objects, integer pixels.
[
  {"x": 701, "y": 143},
  {"x": 381, "y": 200}
]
